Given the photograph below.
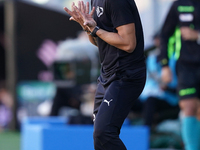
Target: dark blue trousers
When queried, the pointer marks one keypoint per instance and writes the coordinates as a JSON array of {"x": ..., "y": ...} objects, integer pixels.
[{"x": 112, "y": 105}]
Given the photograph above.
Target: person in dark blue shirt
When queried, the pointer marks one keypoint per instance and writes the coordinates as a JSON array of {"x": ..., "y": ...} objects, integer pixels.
[
  {"x": 115, "y": 27},
  {"x": 183, "y": 20}
]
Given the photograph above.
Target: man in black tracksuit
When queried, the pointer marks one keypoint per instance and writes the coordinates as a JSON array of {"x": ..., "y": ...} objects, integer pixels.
[
  {"x": 115, "y": 27},
  {"x": 183, "y": 20}
]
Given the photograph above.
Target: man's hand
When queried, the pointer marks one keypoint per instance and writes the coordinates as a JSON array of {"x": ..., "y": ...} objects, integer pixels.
[
  {"x": 166, "y": 75},
  {"x": 189, "y": 34},
  {"x": 81, "y": 15}
]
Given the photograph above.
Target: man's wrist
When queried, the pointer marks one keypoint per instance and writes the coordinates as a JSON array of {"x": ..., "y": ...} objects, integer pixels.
[
  {"x": 87, "y": 31},
  {"x": 94, "y": 31}
]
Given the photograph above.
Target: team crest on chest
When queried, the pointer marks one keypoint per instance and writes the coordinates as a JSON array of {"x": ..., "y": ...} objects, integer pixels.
[{"x": 99, "y": 11}]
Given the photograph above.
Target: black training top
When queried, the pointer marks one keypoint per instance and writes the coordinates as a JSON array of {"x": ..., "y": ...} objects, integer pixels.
[
  {"x": 109, "y": 15},
  {"x": 182, "y": 13}
]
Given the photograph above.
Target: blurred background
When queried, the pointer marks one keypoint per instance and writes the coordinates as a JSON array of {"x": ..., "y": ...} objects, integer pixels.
[{"x": 49, "y": 68}]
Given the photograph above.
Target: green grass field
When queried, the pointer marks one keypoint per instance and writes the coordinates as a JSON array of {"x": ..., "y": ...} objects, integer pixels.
[{"x": 9, "y": 140}]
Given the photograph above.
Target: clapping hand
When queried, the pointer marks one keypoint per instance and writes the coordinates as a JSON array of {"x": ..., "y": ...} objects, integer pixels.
[{"x": 82, "y": 16}]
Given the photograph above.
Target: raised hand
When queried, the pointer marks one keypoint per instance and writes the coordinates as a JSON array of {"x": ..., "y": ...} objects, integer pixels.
[
  {"x": 81, "y": 15},
  {"x": 166, "y": 75},
  {"x": 189, "y": 34}
]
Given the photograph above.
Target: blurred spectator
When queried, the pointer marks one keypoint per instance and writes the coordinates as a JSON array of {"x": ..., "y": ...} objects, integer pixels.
[
  {"x": 86, "y": 107},
  {"x": 6, "y": 104},
  {"x": 6, "y": 101},
  {"x": 160, "y": 101},
  {"x": 66, "y": 97},
  {"x": 183, "y": 20},
  {"x": 71, "y": 91}
]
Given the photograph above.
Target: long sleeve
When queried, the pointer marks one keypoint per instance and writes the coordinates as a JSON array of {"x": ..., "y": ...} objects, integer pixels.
[{"x": 167, "y": 31}]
